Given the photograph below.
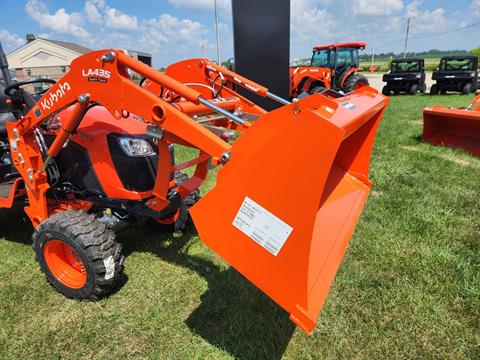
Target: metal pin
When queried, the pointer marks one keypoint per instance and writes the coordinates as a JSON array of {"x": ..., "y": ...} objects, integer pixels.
[
  {"x": 221, "y": 111},
  {"x": 83, "y": 98},
  {"x": 108, "y": 57},
  {"x": 277, "y": 98}
]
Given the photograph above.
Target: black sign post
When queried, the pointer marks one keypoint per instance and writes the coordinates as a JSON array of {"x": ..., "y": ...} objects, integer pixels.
[{"x": 261, "y": 31}]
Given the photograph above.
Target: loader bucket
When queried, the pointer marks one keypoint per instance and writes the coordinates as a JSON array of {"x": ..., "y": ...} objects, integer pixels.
[
  {"x": 285, "y": 205},
  {"x": 457, "y": 128}
]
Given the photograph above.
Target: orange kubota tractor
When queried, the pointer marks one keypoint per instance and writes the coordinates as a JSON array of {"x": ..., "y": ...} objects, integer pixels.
[
  {"x": 94, "y": 153},
  {"x": 458, "y": 128},
  {"x": 331, "y": 67}
]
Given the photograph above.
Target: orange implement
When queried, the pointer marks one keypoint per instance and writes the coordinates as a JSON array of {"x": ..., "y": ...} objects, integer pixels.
[
  {"x": 457, "y": 128},
  {"x": 285, "y": 237}
]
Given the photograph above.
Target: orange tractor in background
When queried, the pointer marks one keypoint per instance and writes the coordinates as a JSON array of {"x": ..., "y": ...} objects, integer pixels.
[
  {"x": 457, "y": 128},
  {"x": 333, "y": 67},
  {"x": 95, "y": 152}
]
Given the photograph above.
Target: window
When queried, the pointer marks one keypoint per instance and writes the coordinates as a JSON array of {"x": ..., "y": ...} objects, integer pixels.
[
  {"x": 64, "y": 69},
  {"x": 405, "y": 66},
  {"x": 323, "y": 58},
  {"x": 344, "y": 56},
  {"x": 29, "y": 72},
  {"x": 457, "y": 64}
]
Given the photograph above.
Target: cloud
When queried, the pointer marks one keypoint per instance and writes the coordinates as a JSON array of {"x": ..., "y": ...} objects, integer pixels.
[
  {"x": 117, "y": 20},
  {"x": 98, "y": 12},
  {"x": 427, "y": 20},
  {"x": 60, "y": 22},
  {"x": 92, "y": 12},
  {"x": 476, "y": 7},
  {"x": 10, "y": 41},
  {"x": 305, "y": 18},
  {"x": 375, "y": 7},
  {"x": 202, "y": 5},
  {"x": 168, "y": 29}
]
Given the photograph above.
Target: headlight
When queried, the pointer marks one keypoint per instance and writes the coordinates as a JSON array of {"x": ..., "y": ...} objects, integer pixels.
[
  {"x": 418, "y": 76},
  {"x": 136, "y": 147}
]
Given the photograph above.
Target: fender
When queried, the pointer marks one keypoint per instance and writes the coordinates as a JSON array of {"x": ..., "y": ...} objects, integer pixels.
[
  {"x": 302, "y": 77},
  {"x": 348, "y": 73}
]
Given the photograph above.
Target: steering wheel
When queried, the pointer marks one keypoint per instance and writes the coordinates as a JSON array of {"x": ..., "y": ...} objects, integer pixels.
[
  {"x": 23, "y": 96},
  {"x": 18, "y": 85},
  {"x": 222, "y": 83}
]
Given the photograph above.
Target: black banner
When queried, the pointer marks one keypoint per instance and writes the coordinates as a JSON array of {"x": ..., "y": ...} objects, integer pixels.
[{"x": 261, "y": 31}]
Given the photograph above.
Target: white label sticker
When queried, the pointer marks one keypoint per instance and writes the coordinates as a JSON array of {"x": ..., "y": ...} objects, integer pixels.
[
  {"x": 109, "y": 267},
  {"x": 348, "y": 105},
  {"x": 262, "y": 226}
]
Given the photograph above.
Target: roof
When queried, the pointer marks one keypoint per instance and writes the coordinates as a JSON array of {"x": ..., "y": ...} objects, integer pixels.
[
  {"x": 452, "y": 57},
  {"x": 407, "y": 60},
  {"x": 341, "y": 45},
  {"x": 68, "y": 45}
]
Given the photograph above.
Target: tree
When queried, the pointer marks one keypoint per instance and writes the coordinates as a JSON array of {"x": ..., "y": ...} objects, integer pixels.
[{"x": 475, "y": 51}]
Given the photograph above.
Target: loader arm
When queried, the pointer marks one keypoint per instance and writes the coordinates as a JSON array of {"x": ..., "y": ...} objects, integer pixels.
[
  {"x": 102, "y": 78},
  {"x": 289, "y": 192}
]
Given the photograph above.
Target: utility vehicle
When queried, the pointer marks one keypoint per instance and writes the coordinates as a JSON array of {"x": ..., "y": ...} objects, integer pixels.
[{"x": 405, "y": 75}]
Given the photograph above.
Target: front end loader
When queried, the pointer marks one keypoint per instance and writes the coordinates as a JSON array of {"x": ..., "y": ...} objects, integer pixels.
[
  {"x": 457, "y": 128},
  {"x": 95, "y": 152}
]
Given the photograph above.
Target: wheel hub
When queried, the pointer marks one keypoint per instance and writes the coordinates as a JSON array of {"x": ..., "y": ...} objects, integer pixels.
[{"x": 65, "y": 264}]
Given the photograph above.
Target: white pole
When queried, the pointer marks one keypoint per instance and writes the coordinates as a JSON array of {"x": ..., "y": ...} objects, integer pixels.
[
  {"x": 406, "y": 37},
  {"x": 373, "y": 50},
  {"x": 217, "y": 30}
]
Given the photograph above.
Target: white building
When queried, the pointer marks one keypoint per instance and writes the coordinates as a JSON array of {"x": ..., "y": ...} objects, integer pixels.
[
  {"x": 51, "y": 59},
  {"x": 44, "y": 58}
]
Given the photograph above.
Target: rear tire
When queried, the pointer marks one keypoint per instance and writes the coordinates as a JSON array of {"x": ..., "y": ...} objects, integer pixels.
[
  {"x": 434, "y": 89},
  {"x": 413, "y": 89},
  {"x": 386, "y": 90},
  {"x": 354, "y": 81},
  {"x": 467, "y": 89},
  {"x": 316, "y": 90},
  {"x": 78, "y": 255}
]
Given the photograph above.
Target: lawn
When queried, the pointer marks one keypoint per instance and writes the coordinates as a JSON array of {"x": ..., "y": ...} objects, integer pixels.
[{"x": 408, "y": 287}]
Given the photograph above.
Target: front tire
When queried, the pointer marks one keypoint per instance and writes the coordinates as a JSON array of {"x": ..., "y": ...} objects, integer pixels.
[
  {"x": 467, "y": 89},
  {"x": 413, "y": 89},
  {"x": 316, "y": 90},
  {"x": 355, "y": 81},
  {"x": 78, "y": 255},
  {"x": 386, "y": 90},
  {"x": 424, "y": 88},
  {"x": 434, "y": 89}
]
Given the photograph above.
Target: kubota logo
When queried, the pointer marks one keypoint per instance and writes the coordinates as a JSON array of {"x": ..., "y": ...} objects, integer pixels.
[
  {"x": 96, "y": 73},
  {"x": 54, "y": 96}
]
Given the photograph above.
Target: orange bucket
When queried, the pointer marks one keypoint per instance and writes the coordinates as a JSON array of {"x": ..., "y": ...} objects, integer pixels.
[
  {"x": 457, "y": 128},
  {"x": 287, "y": 202}
]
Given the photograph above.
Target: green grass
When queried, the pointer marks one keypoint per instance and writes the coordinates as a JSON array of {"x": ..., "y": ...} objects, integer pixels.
[{"x": 408, "y": 287}]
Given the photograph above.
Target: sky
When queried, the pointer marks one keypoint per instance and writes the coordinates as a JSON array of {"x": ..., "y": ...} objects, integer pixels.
[{"x": 175, "y": 29}]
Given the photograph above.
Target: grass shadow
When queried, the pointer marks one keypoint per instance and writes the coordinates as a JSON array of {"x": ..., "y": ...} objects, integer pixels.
[
  {"x": 15, "y": 225},
  {"x": 233, "y": 315}
]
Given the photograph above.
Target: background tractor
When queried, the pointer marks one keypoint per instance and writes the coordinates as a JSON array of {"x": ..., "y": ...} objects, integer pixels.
[{"x": 331, "y": 67}]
